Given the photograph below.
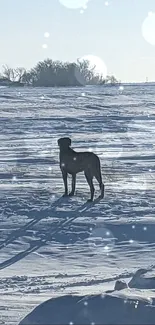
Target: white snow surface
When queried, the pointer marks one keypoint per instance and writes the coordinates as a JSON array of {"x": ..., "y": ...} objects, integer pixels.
[{"x": 52, "y": 246}]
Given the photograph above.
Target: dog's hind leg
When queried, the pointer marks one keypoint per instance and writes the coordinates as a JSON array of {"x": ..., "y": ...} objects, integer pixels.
[
  {"x": 89, "y": 179},
  {"x": 73, "y": 185},
  {"x": 99, "y": 179}
]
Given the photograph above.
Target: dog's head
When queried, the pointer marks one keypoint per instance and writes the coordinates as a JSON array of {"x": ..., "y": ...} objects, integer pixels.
[{"x": 64, "y": 143}]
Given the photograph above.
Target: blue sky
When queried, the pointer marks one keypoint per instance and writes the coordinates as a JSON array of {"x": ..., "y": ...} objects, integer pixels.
[{"x": 113, "y": 33}]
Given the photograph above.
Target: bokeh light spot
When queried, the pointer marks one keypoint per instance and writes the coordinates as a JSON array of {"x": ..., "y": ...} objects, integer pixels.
[
  {"x": 46, "y": 34},
  {"x": 148, "y": 28},
  {"x": 96, "y": 63},
  {"x": 90, "y": 66},
  {"x": 102, "y": 237},
  {"x": 121, "y": 88},
  {"x": 74, "y": 4},
  {"x": 44, "y": 46}
]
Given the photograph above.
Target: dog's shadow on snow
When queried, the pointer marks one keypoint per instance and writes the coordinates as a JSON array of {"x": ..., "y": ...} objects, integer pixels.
[{"x": 57, "y": 226}]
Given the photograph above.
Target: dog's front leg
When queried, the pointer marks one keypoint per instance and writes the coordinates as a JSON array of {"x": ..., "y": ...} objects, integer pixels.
[
  {"x": 73, "y": 185},
  {"x": 64, "y": 176}
]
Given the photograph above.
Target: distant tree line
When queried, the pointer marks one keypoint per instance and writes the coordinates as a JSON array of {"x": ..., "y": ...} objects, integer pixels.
[{"x": 49, "y": 73}]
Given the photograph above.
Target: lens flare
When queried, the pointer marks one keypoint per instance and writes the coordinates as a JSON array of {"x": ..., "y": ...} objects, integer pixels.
[{"x": 96, "y": 64}]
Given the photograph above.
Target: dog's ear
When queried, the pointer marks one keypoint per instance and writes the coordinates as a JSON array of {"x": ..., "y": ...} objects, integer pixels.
[{"x": 69, "y": 142}]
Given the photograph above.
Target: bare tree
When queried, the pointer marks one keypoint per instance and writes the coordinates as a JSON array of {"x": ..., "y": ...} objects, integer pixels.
[
  {"x": 7, "y": 72},
  {"x": 13, "y": 74},
  {"x": 111, "y": 80},
  {"x": 19, "y": 73}
]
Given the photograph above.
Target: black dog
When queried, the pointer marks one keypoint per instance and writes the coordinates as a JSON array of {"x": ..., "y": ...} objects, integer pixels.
[{"x": 72, "y": 162}]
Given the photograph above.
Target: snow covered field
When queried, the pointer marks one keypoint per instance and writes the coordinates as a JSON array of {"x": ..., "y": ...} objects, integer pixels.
[{"x": 51, "y": 246}]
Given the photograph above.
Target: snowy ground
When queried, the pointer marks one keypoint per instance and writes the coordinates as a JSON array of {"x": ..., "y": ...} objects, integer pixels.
[{"x": 51, "y": 246}]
